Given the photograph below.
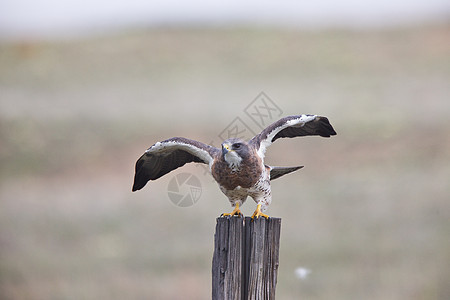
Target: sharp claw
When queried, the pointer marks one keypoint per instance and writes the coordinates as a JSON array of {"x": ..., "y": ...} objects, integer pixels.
[
  {"x": 258, "y": 213},
  {"x": 235, "y": 212}
]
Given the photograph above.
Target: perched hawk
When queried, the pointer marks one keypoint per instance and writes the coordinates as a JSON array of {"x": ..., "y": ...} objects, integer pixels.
[{"x": 238, "y": 167}]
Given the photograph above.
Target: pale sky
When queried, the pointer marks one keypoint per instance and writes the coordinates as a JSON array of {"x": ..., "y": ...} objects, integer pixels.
[{"x": 22, "y": 18}]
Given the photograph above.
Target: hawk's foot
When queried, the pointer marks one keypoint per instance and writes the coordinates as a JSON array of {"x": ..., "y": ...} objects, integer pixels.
[
  {"x": 258, "y": 213},
  {"x": 235, "y": 212}
]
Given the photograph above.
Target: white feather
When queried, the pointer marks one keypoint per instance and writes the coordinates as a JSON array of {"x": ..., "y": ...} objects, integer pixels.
[
  {"x": 161, "y": 149},
  {"x": 298, "y": 122},
  {"x": 233, "y": 160}
]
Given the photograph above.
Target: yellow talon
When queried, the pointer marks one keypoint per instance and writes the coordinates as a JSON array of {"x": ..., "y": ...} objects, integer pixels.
[
  {"x": 235, "y": 212},
  {"x": 258, "y": 213}
]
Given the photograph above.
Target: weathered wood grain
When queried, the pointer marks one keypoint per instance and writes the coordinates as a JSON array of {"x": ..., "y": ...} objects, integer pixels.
[{"x": 245, "y": 259}]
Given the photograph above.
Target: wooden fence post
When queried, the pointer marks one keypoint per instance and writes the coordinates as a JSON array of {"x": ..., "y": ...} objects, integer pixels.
[
  {"x": 227, "y": 258},
  {"x": 245, "y": 259}
]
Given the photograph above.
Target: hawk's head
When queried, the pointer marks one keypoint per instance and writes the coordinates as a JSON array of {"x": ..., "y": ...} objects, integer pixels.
[{"x": 234, "y": 151}]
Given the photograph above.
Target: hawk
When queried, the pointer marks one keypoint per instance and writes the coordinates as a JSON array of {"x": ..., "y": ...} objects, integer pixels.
[{"x": 238, "y": 167}]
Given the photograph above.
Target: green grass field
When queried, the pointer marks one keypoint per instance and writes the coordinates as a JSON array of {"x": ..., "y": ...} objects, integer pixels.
[{"x": 369, "y": 214}]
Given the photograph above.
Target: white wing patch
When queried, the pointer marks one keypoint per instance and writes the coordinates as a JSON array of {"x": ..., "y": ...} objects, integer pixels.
[
  {"x": 165, "y": 148},
  {"x": 297, "y": 122}
]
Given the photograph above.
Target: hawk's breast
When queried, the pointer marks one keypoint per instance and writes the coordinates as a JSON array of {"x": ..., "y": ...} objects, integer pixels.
[{"x": 248, "y": 174}]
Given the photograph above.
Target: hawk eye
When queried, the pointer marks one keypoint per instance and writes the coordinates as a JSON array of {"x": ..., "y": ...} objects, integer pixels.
[{"x": 237, "y": 145}]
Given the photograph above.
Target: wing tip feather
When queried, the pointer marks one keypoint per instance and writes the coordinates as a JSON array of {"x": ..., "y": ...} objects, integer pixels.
[
  {"x": 325, "y": 129},
  {"x": 139, "y": 182}
]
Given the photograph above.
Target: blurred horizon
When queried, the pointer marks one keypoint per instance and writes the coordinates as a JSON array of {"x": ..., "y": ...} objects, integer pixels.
[{"x": 49, "y": 19}]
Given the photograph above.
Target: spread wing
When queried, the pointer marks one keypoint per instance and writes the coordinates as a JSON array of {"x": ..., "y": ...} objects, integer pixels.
[
  {"x": 292, "y": 126},
  {"x": 165, "y": 156}
]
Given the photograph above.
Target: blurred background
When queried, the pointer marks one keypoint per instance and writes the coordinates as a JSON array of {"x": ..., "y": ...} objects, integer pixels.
[{"x": 87, "y": 86}]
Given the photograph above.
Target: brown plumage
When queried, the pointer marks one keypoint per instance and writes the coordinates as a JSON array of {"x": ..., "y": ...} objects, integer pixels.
[{"x": 246, "y": 176}]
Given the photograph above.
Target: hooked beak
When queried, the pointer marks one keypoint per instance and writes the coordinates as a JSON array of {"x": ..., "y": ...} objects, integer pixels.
[{"x": 225, "y": 149}]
